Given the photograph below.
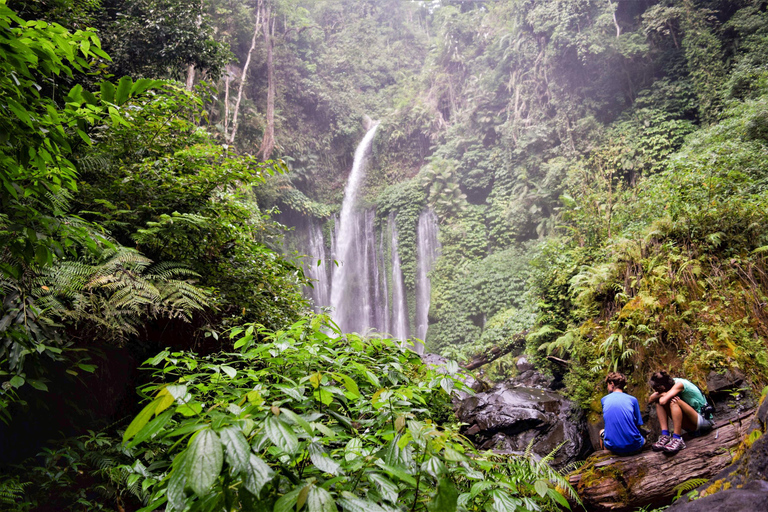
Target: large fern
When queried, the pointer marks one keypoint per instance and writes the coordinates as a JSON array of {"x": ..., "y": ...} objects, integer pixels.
[{"x": 115, "y": 296}]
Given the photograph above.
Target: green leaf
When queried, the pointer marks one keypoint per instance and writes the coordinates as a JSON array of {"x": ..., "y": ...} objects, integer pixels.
[
  {"x": 231, "y": 372},
  {"x": 352, "y": 503},
  {"x": 150, "y": 429},
  {"x": 541, "y": 487},
  {"x": 142, "y": 84},
  {"x": 446, "y": 498},
  {"x": 320, "y": 500},
  {"x": 257, "y": 475},
  {"x": 38, "y": 385},
  {"x": 177, "y": 483},
  {"x": 17, "y": 381},
  {"x": 281, "y": 434},
  {"x": 387, "y": 488},
  {"x": 123, "y": 90},
  {"x": 323, "y": 463},
  {"x": 397, "y": 471},
  {"x": 288, "y": 500},
  {"x": 350, "y": 384},
  {"x": 205, "y": 459},
  {"x": 503, "y": 502},
  {"x": 107, "y": 91},
  {"x": 298, "y": 420},
  {"x": 559, "y": 498},
  {"x": 238, "y": 450},
  {"x": 140, "y": 420}
]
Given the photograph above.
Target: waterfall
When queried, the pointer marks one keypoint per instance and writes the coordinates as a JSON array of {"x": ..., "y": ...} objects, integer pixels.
[
  {"x": 399, "y": 327},
  {"x": 428, "y": 248},
  {"x": 316, "y": 268},
  {"x": 362, "y": 293},
  {"x": 350, "y": 282}
]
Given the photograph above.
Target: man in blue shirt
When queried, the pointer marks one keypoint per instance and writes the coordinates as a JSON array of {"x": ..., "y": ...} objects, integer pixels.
[{"x": 621, "y": 413}]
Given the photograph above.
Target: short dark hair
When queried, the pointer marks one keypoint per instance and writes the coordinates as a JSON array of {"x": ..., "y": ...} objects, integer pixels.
[
  {"x": 661, "y": 380},
  {"x": 617, "y": 379}
]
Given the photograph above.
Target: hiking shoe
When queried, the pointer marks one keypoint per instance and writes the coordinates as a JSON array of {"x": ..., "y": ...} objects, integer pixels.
[
  {"x": 661, "y": 443},
  {"x": 674, "y": 446}
]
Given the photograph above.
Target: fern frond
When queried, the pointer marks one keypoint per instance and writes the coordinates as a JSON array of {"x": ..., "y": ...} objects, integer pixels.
[{"x": 688, "y": 485}]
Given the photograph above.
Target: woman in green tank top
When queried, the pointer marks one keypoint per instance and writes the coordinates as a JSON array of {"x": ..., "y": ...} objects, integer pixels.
[{"x": 682, "y": 402}]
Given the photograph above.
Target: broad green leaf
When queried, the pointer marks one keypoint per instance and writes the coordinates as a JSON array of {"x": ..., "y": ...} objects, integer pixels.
[
  {"x": 288, "y": 500},
  {"x": 387, "y": 488},
  {"x": 38, "y": 385},
  {"x": 350, "y": 384},
  {"x": 107, "y": 91},
  {"x": 17, "y": 381},
  {"x": 323, "y": 463},
  {"x": 164, "y": 400},
  {"x": 123, "y": 90},
  {"x": 320, "y": 500},
  {"x": 188, "y": 410},
  {"x": 559, "y": 498},
  {"x": 434, "y": 467},
  {"x": 257, "y": 474},
  {"x": 140, "y": 420},
  {"x": 503, "y": 502},
  {"x": 315, "y": 379},
  {"x": 298, "y": 420},
  {"x": 238, "y": 450},
  {"x": 295, "y": 393},
  {"x": 397, "y": 471},
  {"x": 142, "y": 84},
  {"x": 446, "y": 498},
  {"x": 354, "y": 449},
  {"x": 541, "y": 487},
  {"x": 177, "y": 483},
  {"x": 205, "y": 459},
  {"x": 150, "y": 429},
  {"x": 231, "y": 372},
  {"x": 281, "y": 434},
  {"x": 352, "y": 503}
]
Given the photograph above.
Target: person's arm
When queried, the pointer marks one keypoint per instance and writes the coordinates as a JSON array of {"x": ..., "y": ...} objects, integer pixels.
[
  {"x": 654, "y": 397},
  {"x": 669, "y": 395},
  {"x": 638, "y": 417}
]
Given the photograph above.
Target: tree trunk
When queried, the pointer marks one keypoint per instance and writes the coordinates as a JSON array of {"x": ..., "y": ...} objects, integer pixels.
[
  {"x": 226, "y": 104},
  {"x": 610, "y": 482},
  {"x": 190, "y": 77},
  {"x": 257, "y": 27},
  {"x": 496, "y": 352},
  {"x": 268, "y": 142}
]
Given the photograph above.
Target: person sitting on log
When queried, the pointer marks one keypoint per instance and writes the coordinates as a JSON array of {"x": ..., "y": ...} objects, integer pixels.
[
  {"x": 621, "y": 413},
  {"x": 683, "y": 402}
]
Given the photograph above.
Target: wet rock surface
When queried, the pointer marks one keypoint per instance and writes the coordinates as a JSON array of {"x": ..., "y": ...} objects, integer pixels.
[
  {"x": 750, "y": 498},
  {"x": 742, "y": 486},
  {"x": 508, "y": 417}
]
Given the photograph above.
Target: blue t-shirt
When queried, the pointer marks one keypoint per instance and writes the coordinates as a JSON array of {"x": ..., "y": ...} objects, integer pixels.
[{"x": 621, "y": 413}]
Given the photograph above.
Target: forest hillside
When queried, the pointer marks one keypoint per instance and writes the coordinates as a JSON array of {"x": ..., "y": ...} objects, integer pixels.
[{"x": 595, "y": 171}]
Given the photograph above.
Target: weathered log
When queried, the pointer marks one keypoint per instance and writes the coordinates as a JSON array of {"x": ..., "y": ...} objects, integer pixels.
[
  {"x": 496, "y": 352},
  {"x": 610, "y": 482}
]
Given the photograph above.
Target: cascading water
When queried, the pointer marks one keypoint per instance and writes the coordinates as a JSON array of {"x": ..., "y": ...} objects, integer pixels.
[
  {"x": 427, "y": 250},
  {"x": 360, "y": 291},
  {"x": 399, "y": 305},
  {"x": 316, "y": 268},
  {"x": 350, "y": 280}
]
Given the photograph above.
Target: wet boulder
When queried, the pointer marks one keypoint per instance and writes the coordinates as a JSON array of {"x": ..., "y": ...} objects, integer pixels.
[{"x": 508, "y": 417}]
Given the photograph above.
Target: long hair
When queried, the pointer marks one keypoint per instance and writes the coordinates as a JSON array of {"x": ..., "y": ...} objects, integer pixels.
[{"x": 661, "y": 380}]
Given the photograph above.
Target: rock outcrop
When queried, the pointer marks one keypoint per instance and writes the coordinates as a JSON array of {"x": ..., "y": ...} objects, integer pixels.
[
  {"x": 743, "y": 485},
  {"x": 508, "y": 417}
]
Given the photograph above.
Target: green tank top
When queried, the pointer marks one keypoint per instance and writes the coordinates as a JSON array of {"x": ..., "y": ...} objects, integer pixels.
[{"x": 691, "y": 395}]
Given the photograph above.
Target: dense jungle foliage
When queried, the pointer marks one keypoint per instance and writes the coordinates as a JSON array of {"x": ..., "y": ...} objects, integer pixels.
[{"x": 598, "y": 169}]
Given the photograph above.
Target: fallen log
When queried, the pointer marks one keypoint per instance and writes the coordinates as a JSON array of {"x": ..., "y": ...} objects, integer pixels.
[
  {"x": 496, "y": 352},
  {"x": 611, "y": 482}
]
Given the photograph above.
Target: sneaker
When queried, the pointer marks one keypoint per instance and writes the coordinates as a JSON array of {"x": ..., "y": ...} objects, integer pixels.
[
  {"x": 661, "y": 443},
  {"x": 674, "y": 446}
]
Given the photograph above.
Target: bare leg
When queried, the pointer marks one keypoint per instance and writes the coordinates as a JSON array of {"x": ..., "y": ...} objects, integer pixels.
[
  {"x": 689, "y": 418},
  {"x": 661, "y": 412},
  {"x": 677, "y": 417}
]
